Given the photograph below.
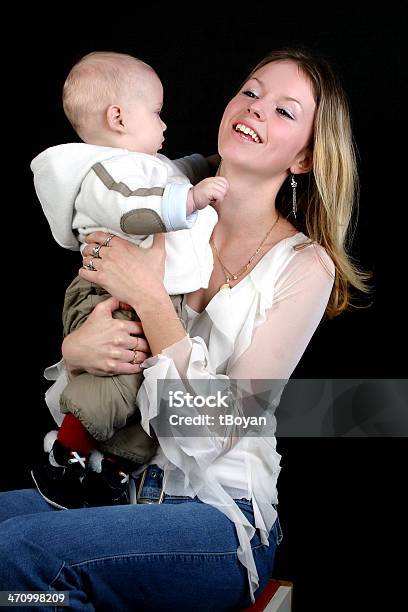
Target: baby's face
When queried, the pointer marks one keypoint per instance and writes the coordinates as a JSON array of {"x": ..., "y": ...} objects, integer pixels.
[{"x": 143, "y": 124}]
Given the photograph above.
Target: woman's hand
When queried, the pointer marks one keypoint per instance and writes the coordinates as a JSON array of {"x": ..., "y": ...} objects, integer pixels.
[
  {"x": 105, "y": 346},
  {"x": 129, "y": 273}
]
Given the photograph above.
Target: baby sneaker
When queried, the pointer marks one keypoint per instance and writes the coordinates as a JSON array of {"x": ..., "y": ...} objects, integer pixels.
[
  {"x": 59, "y": 476},
  {"x": 107, "y": 481}
]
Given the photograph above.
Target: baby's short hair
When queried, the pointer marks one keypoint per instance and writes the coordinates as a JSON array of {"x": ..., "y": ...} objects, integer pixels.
[{"x": 98, "y": 80}]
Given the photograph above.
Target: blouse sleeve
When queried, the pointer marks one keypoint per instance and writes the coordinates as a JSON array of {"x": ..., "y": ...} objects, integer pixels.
[
  {"x": 300, "y": 295},
  {"x": 302, "y": 292}
]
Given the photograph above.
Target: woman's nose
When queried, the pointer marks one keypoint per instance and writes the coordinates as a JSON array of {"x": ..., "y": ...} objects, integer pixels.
[{"x": 256, "y": 111}]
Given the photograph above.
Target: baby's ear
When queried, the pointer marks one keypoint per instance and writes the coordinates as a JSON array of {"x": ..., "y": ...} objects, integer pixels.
[{"x": 114, "y": 117}]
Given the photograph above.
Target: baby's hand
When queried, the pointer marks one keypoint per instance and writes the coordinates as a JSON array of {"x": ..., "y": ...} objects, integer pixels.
[{"x": 212, "y": 189}]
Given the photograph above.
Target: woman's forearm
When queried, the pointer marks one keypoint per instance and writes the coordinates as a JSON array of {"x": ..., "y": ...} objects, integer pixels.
[{"x": 161, "y": 325}]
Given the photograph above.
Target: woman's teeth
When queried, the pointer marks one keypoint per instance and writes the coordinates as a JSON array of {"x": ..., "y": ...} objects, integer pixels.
[{"x": 246, "y": 130}]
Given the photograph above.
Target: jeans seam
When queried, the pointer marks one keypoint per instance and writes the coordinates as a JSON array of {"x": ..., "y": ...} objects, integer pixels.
[
  {"x": 56, "y": 608},
  {"x": 57, "y": 574},
  {"x": 156, "y": 554},
  {"x": 153, "y": 554}
]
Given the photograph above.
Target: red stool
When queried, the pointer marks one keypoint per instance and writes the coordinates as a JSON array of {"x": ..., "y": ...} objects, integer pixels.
[{"x": 276, "y": 597}]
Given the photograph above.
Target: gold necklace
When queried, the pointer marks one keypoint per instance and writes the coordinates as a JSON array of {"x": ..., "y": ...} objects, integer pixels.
[{"x": 234, "y": 276}]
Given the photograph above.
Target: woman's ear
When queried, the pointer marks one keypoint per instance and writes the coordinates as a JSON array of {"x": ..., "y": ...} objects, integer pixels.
[
  {"x": 114, "y": 117},
  {"x": 304, "y": 163}
]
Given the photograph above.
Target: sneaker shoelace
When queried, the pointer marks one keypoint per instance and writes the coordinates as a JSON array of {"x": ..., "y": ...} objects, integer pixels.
[
  {"x": 76, "y": 458},
  {"x": 125, "y": 477}
]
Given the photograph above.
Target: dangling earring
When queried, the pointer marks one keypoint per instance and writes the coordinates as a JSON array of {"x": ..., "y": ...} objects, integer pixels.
[{"x": 293, "y": 184}]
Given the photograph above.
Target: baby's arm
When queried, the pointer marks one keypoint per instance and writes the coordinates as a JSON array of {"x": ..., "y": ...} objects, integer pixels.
[
  {"x": 210, "y": 190},
  {"x": 136, "y": 195}
]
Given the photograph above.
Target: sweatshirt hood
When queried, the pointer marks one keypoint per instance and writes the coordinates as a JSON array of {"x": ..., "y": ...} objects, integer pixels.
[{"x": 58, "y": 175}]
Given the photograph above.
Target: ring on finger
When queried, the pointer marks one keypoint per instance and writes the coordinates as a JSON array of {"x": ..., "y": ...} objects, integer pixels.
[
  {"x": 95, "y": 251},
  {"x": 90, "y": 266},
  {"x": 107, "y": 241},
  {"x": 134, "y": 360}
]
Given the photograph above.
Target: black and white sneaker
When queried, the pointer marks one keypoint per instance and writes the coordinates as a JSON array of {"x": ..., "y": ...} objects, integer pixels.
[
  {"x": 107, "y": 480},
  {"x": 59, "y": 477}
]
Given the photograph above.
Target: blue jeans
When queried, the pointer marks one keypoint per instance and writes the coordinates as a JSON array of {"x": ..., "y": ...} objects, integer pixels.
[{"x": 177, "y": 555}]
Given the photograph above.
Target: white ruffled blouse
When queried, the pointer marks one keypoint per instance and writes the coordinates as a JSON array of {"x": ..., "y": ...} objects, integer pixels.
[{"x": 259, "y": 329}]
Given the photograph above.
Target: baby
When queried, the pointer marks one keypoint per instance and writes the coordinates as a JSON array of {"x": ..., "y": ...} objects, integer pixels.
[{"x": 117, "y": 182}]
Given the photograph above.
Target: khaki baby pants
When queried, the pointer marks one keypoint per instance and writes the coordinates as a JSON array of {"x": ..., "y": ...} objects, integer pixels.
[{"x": 105, "y": 405}]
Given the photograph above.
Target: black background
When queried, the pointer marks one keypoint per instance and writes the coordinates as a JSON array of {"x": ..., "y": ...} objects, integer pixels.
[{"x": 339, "y": 498}]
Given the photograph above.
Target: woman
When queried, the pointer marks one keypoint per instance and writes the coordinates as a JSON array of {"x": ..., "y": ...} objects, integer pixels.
[{"x": 279, "y": 266}]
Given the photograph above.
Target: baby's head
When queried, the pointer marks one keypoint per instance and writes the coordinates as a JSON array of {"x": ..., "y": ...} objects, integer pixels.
[{"x": 115, "y": 100}]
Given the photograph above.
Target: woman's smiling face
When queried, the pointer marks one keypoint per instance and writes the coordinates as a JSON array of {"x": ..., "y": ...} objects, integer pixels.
[{"x": 267, "y": 127}]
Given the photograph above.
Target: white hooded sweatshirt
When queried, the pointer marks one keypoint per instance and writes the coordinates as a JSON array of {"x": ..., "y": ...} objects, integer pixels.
[{"x": 85, "y": 188}]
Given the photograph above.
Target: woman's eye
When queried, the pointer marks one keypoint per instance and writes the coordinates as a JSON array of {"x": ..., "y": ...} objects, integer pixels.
[
  {"x": 249, "y": 93},
  {"x": 284, "y": 113}
]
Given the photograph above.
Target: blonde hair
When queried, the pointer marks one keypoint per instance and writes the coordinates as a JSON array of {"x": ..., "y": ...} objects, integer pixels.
[
  {"x": 326, "y": 203},
  {"x": 98, "y": 80}
]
